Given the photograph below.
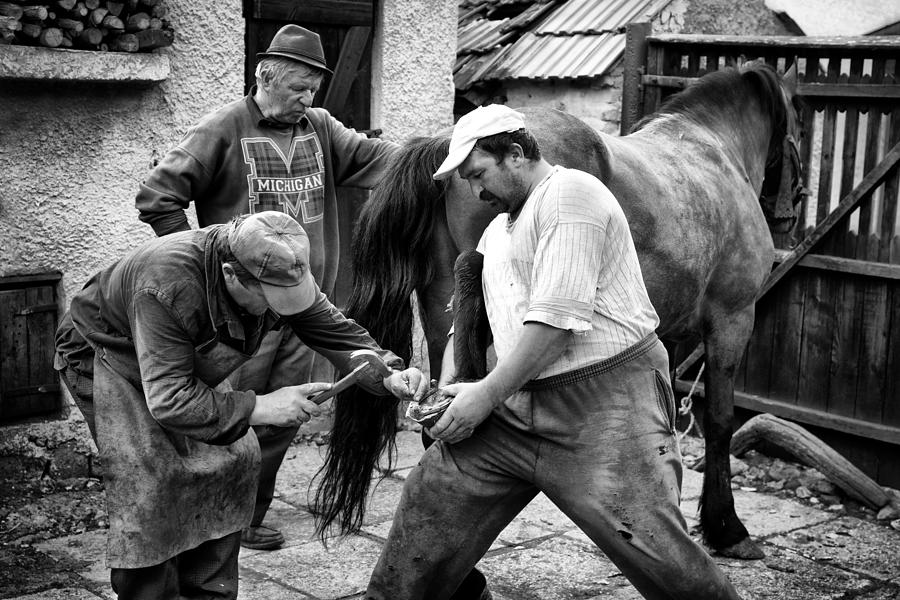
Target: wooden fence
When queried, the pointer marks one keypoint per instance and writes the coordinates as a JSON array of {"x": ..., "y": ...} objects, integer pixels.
[{"x": 825, "y": 350}]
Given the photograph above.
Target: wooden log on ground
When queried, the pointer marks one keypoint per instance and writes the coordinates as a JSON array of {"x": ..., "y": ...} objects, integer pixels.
[
  {"x": 137, "y": 22},
  {"x": 66, "y": 5},
  {"x": 31, "y": 31},
  {"x": 73, "y": 25},
  {"x": 79, "y": 11},
  {"x": 125, "y": 42},
  {"x": 8, "y": 9},
  {"x": 97, "y": 15},
  {"x": 155, "y": 38},
  {"x": 90, "y": 37},
  {"x": 92, "y": 4},
  {"x": 812, "y": 452},
  {"x": 7, "y": 37},
  {"x": 35, "y": 13},
  {"x": 113, "y": 23},
  {"x": 51, "y": 37},
  {"x": 10, "y": 23},
  {"x": 115, "y": 8}
]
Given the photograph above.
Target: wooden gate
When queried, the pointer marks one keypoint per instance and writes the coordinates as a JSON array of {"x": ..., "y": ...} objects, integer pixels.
[
  {"x": 825, "y": 351},
  {"x": 345, "y": 27}
]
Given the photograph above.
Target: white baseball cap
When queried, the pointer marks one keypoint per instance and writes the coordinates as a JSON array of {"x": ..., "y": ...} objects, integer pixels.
[{"x": 481, "y": 122}]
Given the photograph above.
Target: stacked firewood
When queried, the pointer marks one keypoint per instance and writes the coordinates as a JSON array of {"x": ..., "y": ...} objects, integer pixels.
[{"x": 109, "y": 25}]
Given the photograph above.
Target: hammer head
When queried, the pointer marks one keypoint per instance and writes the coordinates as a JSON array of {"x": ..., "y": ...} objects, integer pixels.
[
  {"x": 366, "y": 366},
  {"x": 375, "y": 368}
]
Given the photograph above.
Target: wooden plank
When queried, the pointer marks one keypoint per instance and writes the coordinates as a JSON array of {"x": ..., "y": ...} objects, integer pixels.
[
  {"x": 807, "y": 116},
  {"x": 761, "y": 347},
  {"x": 14, "y": 360},
  {"x": 693, "y": 66},
  {"x": 352, "y": 51},
  {"x": 817, "y": 418},
  {"x": 652, "y": 97},
  {"x": 891, "y": 196},
  {"x": 826, "y": 161},
  {"x": 867, "y": 91},
  {"x": 786, "y": 44},
  {"x": 869, "y": 182},
  {"x": 891, "y": 410},
  {"x": 326, "y": 12},
  {"x": 843, "y": 265},
  {"x": 633, "y": 68},
  {"x": 818, "y": 315},
  {"x": 807, "y": 90},
  {"x": 41, "y": 325},
  {"x": 873, "y": 351},
  {"x": 848, "y": 162},
  {"x": 845, "y": 348},
  {"x": 14, "y": 282},
  {"x": 784, "y": 365},
  {"x": 866, "y": 244}
]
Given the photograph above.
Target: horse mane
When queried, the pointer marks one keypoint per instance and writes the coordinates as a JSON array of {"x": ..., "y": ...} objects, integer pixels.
[
  {"x": 729, "y": 87},
  {"x": 390, "y": 260}
]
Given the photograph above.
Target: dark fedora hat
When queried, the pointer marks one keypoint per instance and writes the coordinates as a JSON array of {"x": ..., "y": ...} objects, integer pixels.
[{"x": 297, "y": 43}]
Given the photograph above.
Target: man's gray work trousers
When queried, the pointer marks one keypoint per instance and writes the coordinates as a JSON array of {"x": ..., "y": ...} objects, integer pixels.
[{"x": 599, "y": 442}]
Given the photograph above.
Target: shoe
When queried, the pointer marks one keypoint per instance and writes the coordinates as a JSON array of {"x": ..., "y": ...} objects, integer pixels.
[{"x": 261, "y": 538}]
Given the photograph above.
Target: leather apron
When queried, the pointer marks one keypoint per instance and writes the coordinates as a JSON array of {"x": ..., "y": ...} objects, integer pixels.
[{"x": 167, "y": 493}]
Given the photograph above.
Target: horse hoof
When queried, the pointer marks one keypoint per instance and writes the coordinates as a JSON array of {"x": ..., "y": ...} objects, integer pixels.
[{"x": 744, "y": 550}]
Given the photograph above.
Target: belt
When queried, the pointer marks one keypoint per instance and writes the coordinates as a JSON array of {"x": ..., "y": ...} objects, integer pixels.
[{"x": 598, "y": 368}]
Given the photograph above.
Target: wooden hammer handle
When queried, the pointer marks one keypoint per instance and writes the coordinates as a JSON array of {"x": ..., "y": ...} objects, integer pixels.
[{"x": 342, "y": 384}]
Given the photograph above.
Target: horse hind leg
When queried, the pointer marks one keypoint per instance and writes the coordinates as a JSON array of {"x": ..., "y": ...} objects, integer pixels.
[{"x": 725, "y": 341}]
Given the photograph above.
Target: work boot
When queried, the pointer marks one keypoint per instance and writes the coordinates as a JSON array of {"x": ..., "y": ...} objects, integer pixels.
[{"x": 261, "y": 538}]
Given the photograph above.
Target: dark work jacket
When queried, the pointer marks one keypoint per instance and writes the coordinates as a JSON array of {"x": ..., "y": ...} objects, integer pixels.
[{"x": 166, "y": 334}]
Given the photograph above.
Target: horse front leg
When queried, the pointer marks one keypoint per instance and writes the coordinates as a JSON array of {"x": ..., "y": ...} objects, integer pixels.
[{"x": 725, "y": 341}]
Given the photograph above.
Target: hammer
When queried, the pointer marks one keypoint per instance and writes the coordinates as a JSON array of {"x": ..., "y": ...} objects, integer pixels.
[{"x": 363, "y": 363}]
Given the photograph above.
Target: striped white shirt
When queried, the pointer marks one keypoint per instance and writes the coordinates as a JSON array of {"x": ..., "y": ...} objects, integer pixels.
[{"x": 568, "y": 261}]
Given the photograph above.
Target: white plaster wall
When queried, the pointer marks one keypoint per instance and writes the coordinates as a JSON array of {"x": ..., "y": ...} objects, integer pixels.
[
  {"x": 72, "y": 155},
  {"x": 412, "y": 71},
  {"x": 598, "y": 102}
]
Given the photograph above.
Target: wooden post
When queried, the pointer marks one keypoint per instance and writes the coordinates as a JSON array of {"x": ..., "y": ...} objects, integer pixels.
[{"x": 632, "y": 72}]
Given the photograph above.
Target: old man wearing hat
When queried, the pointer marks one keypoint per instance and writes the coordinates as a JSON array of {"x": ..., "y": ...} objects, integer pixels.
[
  {"x": 270, "y": 150},
  {"x": 145, "y": 350}
]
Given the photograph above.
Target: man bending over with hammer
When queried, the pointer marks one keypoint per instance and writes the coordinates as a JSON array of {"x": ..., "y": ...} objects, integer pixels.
[{"x": 144, "y": 350}]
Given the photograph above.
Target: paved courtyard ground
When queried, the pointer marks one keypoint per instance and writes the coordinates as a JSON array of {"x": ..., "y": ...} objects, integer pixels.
[{"x": 812, "y": 552}]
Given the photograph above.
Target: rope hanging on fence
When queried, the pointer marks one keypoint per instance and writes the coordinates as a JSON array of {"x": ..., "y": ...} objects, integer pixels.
[{"x": 687, "y": 403}]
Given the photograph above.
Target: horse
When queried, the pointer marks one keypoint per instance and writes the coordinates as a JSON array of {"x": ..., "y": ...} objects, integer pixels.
[{"x": 702, "y": 182}]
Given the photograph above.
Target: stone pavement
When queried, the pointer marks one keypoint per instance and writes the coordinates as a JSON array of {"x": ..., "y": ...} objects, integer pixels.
[{"x": 810, "y": 553}]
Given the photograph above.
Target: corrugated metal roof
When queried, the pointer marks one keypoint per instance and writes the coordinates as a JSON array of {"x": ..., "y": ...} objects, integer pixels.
[
  {"x": 546, "y": 57},
  {"x": 480, "y": 36},
  {"x": 564, "y": 39},
  {"x": 586, "y": 16}
]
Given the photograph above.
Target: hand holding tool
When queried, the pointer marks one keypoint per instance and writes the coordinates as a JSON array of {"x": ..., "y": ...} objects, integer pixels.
[{"x": 364, "y": 364}]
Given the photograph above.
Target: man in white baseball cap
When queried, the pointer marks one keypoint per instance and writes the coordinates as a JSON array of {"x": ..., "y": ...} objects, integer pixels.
[
  {"x": 482, "y": 122},
  {"x": 579, "y": 405}
]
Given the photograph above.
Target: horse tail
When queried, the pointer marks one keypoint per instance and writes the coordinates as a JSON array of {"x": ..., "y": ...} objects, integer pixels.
[{"x": 390, "y": 259}]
